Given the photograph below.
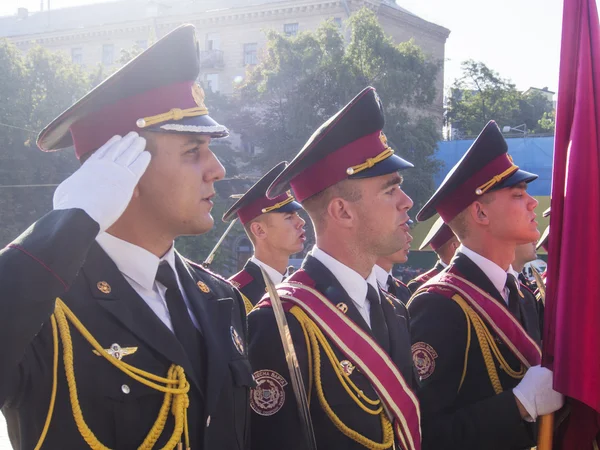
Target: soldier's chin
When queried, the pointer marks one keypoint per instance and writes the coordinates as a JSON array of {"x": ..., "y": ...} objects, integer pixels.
[{"x": 203, "y": 225}]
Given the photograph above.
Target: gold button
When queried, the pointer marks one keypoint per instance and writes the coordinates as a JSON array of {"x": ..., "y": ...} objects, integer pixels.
[
  {"x": 103, "y": 287},
  {"x": 203, "y": 287}
]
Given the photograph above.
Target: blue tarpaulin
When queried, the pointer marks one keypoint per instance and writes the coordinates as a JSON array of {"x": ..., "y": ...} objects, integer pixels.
[{"x": 533, "y": 154}]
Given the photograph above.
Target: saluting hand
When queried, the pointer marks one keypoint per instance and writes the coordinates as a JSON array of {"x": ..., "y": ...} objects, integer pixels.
[{"x": 104, "y": 184}]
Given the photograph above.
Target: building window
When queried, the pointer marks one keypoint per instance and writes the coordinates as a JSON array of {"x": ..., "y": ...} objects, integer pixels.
[
  {"x": 212, "y": 41},
  {"x": 108, "y": 54},
  {"x": 77, "y": 55},
  {"x": 338, "y": 22},
  {"x": 290, "y": 29},
  {"x": 250, "y": 54},
  {"x": 142, "y": 44},
  {"x": 248, "y": 147},
  {"x": 212, "y": 82}
]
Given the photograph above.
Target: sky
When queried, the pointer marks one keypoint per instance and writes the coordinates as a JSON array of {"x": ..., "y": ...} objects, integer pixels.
[{"x": 520, "y": 39}]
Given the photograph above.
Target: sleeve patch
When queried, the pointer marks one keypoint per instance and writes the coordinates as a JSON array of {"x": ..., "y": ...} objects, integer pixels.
[
  {"x": 268, "y": 397},
  {"x": 424, "y": 359}
]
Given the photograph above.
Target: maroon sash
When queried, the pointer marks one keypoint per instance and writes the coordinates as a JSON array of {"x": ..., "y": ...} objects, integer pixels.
[
  {"x": 362, "y": 350},
  {"x": 497, "y": 317}
]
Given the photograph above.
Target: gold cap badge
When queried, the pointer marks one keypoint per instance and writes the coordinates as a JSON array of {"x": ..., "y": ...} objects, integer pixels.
[{"x": 198, "y": 94}]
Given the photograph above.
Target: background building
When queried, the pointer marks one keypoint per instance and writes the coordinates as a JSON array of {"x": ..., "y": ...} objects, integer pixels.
[{"x": 231, "y": 33}]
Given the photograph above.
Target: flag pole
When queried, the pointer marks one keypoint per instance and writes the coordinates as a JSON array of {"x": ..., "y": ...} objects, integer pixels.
[{"x": 546, "y": 422}]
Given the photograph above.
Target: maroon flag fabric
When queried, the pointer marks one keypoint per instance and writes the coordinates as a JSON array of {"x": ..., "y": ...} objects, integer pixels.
[{"x": 572, "y": 323}]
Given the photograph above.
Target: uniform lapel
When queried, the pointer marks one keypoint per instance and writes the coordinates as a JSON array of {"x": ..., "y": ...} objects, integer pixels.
[
  {"x": 214, "y": 317},
  {"x": 474, "y": 274},
  {"x": 125, "y": 304},
  {"x": 331, "y": 288}
]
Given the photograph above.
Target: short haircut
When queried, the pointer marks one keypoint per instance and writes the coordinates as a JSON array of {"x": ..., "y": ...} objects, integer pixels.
[{"x": 316, "y": 205}]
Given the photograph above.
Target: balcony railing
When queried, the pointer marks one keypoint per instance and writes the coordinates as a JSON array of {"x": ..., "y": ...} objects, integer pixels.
[{"x": 211, "y": 59}]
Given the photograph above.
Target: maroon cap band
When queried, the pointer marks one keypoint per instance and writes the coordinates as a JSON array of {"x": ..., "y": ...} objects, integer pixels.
[
  {"x": 92, "y": 131},
  {"x": 333, "y": 168},
  {"x": 441, "y": 238},
  {"x": 465, "y": 194},
  {"x": 255, "y": 209}
]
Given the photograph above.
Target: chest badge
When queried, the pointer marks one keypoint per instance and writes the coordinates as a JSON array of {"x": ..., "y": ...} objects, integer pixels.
[
  {"x": 347, "y": 367},
  {"x": 116, "y": 351},
  {"x": 203, "y": 287},
  {"x": 103, "y": 287},
  {"x": 237, "y": 340},
  {"x": 342, "y": 307}
]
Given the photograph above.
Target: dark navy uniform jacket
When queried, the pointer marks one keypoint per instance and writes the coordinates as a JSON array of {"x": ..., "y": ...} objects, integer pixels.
[
  {"x": 59, "y": 257},
  {"x": 473, "y": 417},
  {"x": 278, "y": 426}
]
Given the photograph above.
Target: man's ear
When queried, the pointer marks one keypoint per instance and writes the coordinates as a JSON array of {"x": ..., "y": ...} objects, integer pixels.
[
  {"x": 479, "y": 213},
  {"x": 342, "y": 212},
  {"x": 258, "y": 230}
]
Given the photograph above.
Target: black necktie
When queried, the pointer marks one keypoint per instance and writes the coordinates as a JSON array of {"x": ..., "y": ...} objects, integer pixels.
[
  {"x": 378, "y": 324},
  {"x": 184, "y": 328},
  {"x": 514, "y": 296},
  {"x": 391, "y": 286}
]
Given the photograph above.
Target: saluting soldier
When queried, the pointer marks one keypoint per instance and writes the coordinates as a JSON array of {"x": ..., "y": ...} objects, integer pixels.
[
  {"x": 352, "y": 341},
  {"x": 275, "y": 230},
  {"x": 383, "y": 271},
  {"x": 112, "y": 338},
  {"x": 475, "y": 338},
  {"x": 444, "y": 243}
]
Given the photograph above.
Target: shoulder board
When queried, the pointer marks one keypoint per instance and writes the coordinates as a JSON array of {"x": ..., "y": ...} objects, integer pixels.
[
  {"x": 241, "y": 279},
  {"x": 209, "y": 272},
  {"x": 398, "y": 282},
  {"x": 527, "y": 287}
]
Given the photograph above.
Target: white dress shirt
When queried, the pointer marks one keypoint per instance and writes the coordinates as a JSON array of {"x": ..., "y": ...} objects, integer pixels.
[
  {"x": 442, "y": 263},
  {"x": 492, "y": 270},
  {"x": 352, "y": 282},
  {"x": 139, "y": 268},
  {"x": 275, "y": 276},
  {"x": 382, "y": 277}
]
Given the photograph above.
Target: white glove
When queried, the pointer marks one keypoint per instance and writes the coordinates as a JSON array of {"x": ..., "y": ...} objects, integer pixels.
[
  {"x": 536, "y": 394},
  {"x": 104, "y": 184}
]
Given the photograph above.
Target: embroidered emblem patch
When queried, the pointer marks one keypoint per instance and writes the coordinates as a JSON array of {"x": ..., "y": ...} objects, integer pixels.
[
  {"x": 203, "y": 287},
  {"x": 424, "y": 358},
  {"x": 103, "y": 287},
  {"x": 342, "y": 307},
  {"x": 237, "y": 340},
  {"x": 347, "y": 367},
  {"x": 268, "y": 397},
  {"x": 235, "y": 284}
]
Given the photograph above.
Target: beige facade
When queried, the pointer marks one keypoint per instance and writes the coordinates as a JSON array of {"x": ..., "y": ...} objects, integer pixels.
[{"x": 231, "y": 33}]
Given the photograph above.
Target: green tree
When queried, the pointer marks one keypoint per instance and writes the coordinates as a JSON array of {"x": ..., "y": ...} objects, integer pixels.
[
  {"x": 480, "y": 94},
  {"x": 303, "y": 80},
  {"x": 35, "y": 88},
  {"x": 548, "y": 121}
]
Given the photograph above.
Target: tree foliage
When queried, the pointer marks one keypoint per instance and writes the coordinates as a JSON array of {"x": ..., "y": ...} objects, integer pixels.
[
  {"x": 35, "y": 88},
  {"x": 480, "y": 94},
  {"x": 303, "y": 80}
]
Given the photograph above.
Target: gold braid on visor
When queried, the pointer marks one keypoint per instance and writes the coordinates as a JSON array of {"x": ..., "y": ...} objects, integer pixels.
[
  {"x": 173, "y": 114},
  {"x": 290, "y": 199},
  {"x": 495, "y": 180}
]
